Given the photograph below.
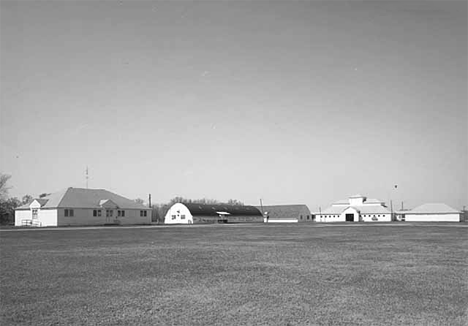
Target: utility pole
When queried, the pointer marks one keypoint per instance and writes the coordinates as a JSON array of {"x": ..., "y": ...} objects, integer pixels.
[
  {"x": 149, "y": 200},
  {"x": 320, "y": 213},
  {"x": 87, "y": 177},
  {"x": 261, "y": 207}
]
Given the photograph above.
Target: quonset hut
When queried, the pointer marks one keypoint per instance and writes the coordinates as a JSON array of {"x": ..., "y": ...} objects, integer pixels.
[{"x": 180, "y": 213}]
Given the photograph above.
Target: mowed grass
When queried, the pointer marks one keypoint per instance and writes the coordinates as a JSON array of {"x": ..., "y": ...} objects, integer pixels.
[{"x": 236, "y": 275}]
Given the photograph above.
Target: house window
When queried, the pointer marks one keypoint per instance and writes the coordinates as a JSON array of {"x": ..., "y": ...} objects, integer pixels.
[
  {"x": 121, "y": 213},
  {"x": 301, "y": 217},
  {"x": 182, "y": 217},
  {"x": 34, "y": 213},
  {"x": 173, "y": 217},
  {"x": 307, "y": 216},
  {"x": 143, "y": 213},
  {"x": 109, "y": 212},
  {"x": 69, "y": 212},
  {"x": 97, "y": 212}
]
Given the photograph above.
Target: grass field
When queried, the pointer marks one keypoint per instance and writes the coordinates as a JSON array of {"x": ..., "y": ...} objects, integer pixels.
[{"x": 236, "y": 275}]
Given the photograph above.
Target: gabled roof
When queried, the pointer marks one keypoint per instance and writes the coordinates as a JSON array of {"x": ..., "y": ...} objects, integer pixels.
[
  {"x": 357, "y": 196},
  {"x": 213, "y": 210},
  {"x": 432, "y": 208},
  {"x": 286, "y": 211},
  {"x": 85, "y": 198},
  {"x": 341, "y": 202},
  {"x": 372, "y": 201},
  {"x": 333, "y": 210},
  {"x": 371, "y": 209},
  {"x": 376, "y": 209}
]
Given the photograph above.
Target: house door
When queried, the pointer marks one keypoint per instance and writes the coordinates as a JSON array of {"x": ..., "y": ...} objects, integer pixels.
[{"x": 349, "y": 217}]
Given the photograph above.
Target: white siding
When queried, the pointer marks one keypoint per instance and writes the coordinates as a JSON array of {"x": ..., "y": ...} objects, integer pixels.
[
  {"x": 376, "y": 217},
  {"x": 84, "y": 216},
  {"x": 178, "y": 214},
  {"x": 277, "y": 220},
  {"x": 432, "y": 217},
  {"x": 47, "y": 217},
  {"x": 21, "y": 215}
]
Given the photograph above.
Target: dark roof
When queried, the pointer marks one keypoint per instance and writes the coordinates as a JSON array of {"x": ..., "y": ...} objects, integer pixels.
[
  {"x": 84, "y": 198},
  {"x": 211, "y": 210},
  {"x": 286, "y": 211}
]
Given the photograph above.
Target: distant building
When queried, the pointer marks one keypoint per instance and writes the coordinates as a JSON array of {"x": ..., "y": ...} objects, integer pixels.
[
  {"x": 357, "y": 208},
  {"x": 286, "y": 213},
  {"x": 78, "y": 206},
  {"x": 201, "y": 213},
  {"x": 432, "y": 212}
]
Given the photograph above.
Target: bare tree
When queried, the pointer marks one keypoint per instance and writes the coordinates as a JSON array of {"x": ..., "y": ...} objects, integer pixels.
[{"x": 26, "y": 199}]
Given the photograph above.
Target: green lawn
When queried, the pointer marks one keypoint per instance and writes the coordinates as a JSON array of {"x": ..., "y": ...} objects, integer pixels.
[{"x": 236, "y": 275}]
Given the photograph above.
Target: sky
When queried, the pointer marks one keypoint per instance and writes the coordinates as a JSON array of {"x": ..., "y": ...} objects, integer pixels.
[{"x": 291, "y": 102}]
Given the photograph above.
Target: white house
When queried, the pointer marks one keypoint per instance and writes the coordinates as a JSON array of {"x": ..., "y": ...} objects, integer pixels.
[
  {"x": 431, "y": 212},
  {"x": 193, "y": 213},
  {"x": 78, "y": 206},
  {"x": 357, "y": 208}
]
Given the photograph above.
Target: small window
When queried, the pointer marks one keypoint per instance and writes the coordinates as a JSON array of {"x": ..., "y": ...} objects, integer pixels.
[
  {"x": 109, "y": 212},
  {"x": 143, "y": 213},
  {"x": 66, "y": 212},
  {"x": 34, "y": 213},
  {"x": 95, "y": 212},
  {"x": 71, "y": 212},
  {"x": 182, "y": 217},
  {"x": 99, "y": 212},
  {"x": 173, "y": 217},
  {"x": 123, "y": 213},
  {"x": 301, "y": 217}
]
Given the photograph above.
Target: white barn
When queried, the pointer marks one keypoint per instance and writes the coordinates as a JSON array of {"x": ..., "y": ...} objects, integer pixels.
[
  {"x": 431, "y": 212},
  {"x": 357, "y": 208},
  {"x": 193, "y": 213},
  {"x": 78, "y": 206}
]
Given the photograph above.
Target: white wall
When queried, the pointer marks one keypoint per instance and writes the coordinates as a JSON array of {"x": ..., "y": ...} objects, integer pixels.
[
  {"x": 329, "y": 218},
  {"x": 47, "y": 217},
  {"x": 84, "y": 216},
  {"x": 432, "y": 217},
  {"x": 178, "y": 214},
  {"x": 22, "y": 215},
  {"x": 270, "y": 220},
  {"x": 376, "y": 217}
]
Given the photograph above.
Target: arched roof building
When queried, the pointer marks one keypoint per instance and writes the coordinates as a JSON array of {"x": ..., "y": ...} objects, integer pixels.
[{"x": 190, "y": 213}]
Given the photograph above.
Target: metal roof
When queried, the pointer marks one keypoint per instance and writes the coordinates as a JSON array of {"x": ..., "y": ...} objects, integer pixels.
[
  {"x": 432, "y": 208},
  {"x": 85, "y": 198},
  {"x": 286, "y": 211},
  {"x": 212, "y": 210}
]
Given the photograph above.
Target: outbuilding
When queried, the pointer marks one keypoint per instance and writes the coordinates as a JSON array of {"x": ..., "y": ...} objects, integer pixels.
[
  {"x": 357, "y": 208},
  {"x": 79, "y": 206},
  {"x": 191, "y": 213},
  {"x": 431, "y": 212},
  {"x": 286, "y": 213}
]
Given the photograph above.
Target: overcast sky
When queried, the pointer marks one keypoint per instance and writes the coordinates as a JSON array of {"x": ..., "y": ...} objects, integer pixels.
[{"x": 288, "y": 101}]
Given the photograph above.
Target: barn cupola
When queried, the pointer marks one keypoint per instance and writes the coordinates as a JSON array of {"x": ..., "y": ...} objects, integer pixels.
[{"x": 357, "y": 200}]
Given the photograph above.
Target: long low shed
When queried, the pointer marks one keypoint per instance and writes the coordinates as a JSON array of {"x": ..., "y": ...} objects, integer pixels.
[
  {"x": 431, "y": 212},
  {"x": 182, "y": 213}
]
